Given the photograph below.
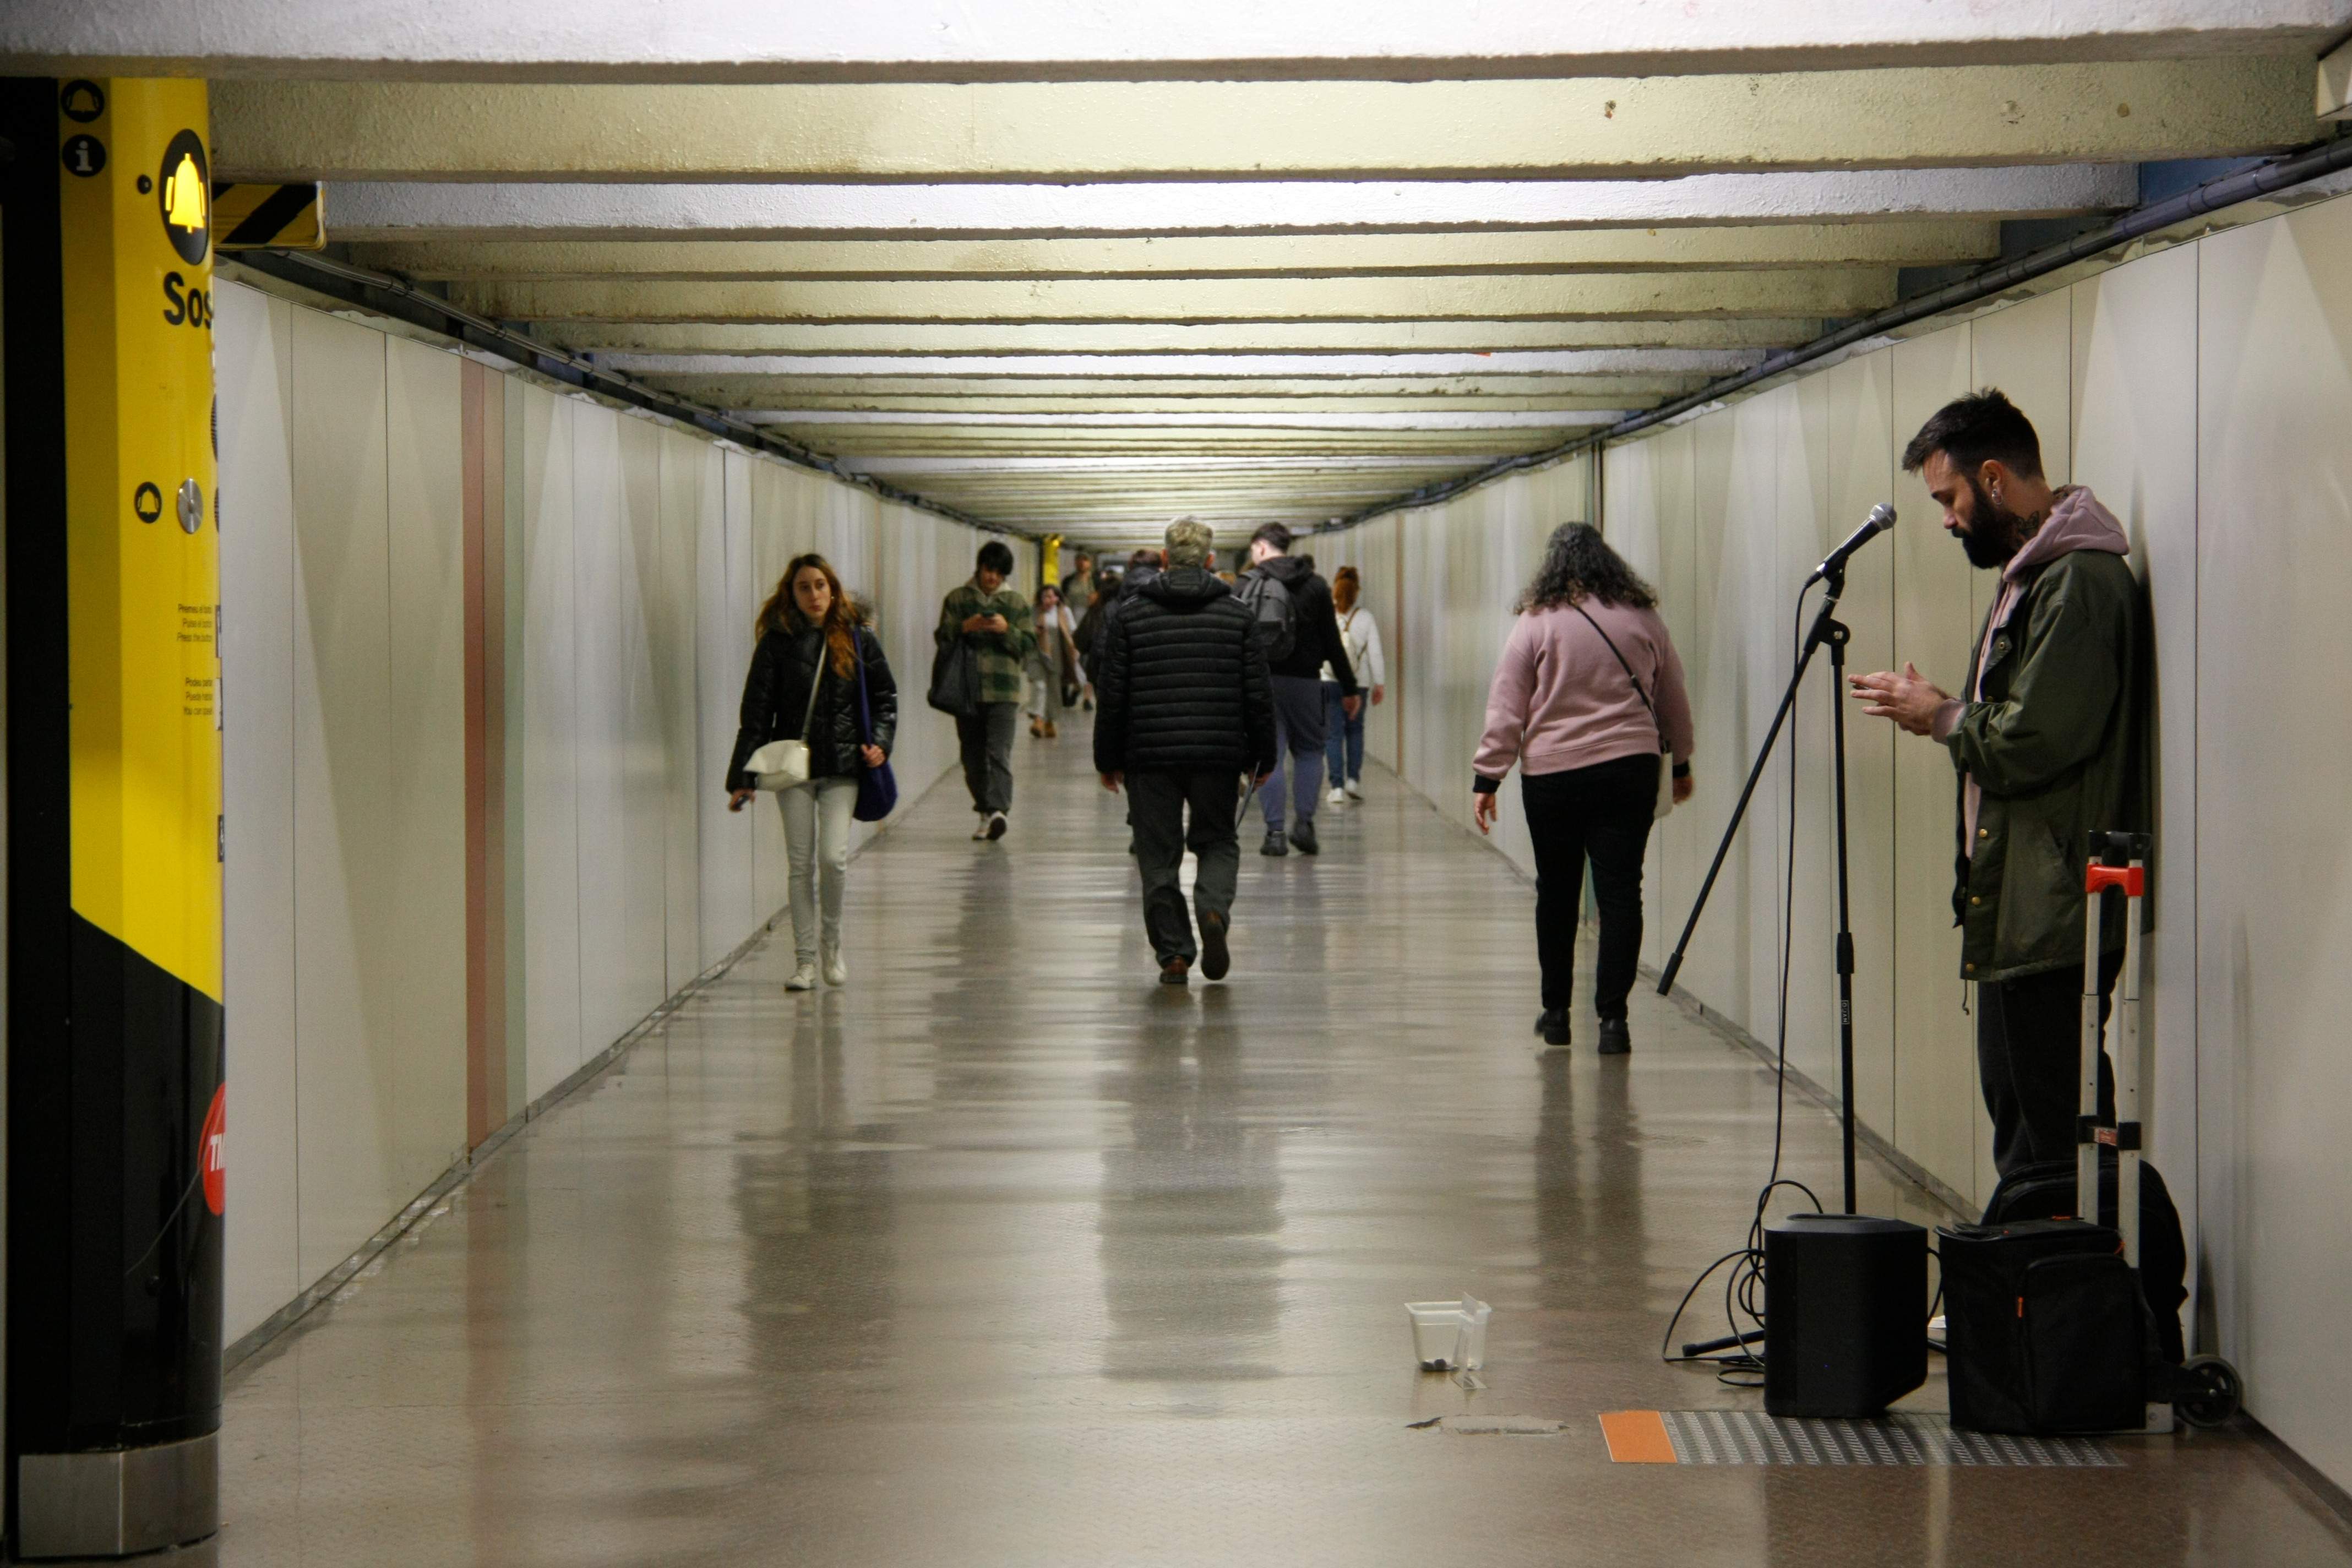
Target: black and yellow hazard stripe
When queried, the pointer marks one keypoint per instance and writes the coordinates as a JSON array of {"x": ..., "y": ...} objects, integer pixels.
[
  {"x": 268, "y": 217},
  {"x": 115, "y": 835}
]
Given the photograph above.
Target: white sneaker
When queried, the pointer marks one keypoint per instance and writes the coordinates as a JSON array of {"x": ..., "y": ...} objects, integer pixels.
[
  {"x": 1354, "y": 789},
  {"x": 1338, "y": 796},
  {"x": 803, "y": 976},
  {"x": 979, "y": 832},
  {"x": 835, "y": 971}
]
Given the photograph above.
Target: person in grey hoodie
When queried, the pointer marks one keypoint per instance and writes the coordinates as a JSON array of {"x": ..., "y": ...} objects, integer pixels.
[{"x": 2046, "y": 736}]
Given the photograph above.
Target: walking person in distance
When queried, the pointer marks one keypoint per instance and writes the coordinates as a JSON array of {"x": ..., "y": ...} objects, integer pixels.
[
  {"x": 814, "y": 647},
  {"x": 994, "y": 619},
  {"x": 1185, "y": 715},
  {"x": 1587, "y": 699},
  {"x": 1299, "y": 635},
  {"x": 1343, "y": 751},
  {"x": 1052, "y": 663}
]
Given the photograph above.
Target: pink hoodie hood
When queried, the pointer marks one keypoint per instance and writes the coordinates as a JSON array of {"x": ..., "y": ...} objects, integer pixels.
[{"x": 2077, "y": 522}]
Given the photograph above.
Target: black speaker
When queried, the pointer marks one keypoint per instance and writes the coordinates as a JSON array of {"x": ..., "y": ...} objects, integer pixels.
[{"x": 1845, "y": 1313}]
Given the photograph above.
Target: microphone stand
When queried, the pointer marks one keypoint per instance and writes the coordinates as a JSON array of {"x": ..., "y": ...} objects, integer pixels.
[{"x": 1829, "y": 632}]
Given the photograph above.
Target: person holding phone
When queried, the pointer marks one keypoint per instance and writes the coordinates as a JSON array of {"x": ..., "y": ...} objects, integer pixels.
[{"x": 995, "y": 618}]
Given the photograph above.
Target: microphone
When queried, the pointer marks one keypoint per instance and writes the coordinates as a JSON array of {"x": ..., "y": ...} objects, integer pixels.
[{"x": 1881, "y": 519}]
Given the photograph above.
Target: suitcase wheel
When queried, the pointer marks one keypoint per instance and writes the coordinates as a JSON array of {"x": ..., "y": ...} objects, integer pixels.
[{"x": 2209, "y": 1391}]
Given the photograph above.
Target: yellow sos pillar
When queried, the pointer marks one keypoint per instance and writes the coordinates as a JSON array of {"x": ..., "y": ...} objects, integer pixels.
[{"x": 116, "y": 1105}]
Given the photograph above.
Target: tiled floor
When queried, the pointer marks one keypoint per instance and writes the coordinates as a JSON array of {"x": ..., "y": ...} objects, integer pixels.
[{"x": 1007, "y": 1254}]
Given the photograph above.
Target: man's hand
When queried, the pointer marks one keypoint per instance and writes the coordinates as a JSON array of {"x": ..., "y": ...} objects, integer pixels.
[
  {"x": 1112, "y": 780},
  {"x": 1482, "y": 810},
  {"x": 1257, "y": 780},
  {"x": 997, "y": 623},
  {"x": 1684, "y": 787},
  {"x": 1352, "y": 705},
  {"x": 1907, "y": 699},
  {"x": 1378, "y": 693},
  {"x": 977, "y": 623}
]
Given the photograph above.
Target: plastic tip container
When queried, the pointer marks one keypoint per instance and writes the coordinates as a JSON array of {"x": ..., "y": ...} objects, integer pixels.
[{"x": 1449, "y": 1336}]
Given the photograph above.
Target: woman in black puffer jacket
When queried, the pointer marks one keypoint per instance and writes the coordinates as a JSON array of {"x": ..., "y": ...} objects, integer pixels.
[{"x": 804, "y": 683}]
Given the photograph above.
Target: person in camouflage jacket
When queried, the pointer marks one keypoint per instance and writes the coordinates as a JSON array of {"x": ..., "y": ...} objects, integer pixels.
[{"x": 995, "y": 618}]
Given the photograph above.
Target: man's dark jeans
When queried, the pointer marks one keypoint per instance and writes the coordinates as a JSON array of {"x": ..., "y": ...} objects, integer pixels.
[
  {"x": 985, "y": 739},
  {"x": 1603, "y": 811},
  {"x": 1156, "y": 801},
  {"x": 2029, "y": 1058}
]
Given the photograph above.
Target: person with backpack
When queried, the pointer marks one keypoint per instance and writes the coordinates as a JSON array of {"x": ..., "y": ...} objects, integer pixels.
[
  {"x": 1299, "y": 633},
  {"x": 1587, "y": 699},
  {"x": 993, "y": 618},
  {"x": 815, "y": 649}
]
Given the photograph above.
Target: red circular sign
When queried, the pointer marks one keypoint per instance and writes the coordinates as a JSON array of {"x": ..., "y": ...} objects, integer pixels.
[{"x": 213, "y": 1151}]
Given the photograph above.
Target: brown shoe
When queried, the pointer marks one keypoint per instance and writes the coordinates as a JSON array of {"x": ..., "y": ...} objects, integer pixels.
[
  {"x": 1051, "y": 734},
  {"x": 1175, "y": 971},
  {"x": 1036, "y": 728}
]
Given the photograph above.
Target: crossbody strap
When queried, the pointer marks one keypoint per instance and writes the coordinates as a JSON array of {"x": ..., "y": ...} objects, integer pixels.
[
  {"x": 1637, "y": 681},
  {"x": 816, "y": 681}
]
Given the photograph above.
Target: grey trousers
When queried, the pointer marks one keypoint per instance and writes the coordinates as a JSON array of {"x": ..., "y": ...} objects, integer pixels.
[
  {"x": 816, "y": 847},
  {"x": 986, "y": 741},
  {"x": 1298, "y": 747},
  {"x": 1156, "y": 803}
]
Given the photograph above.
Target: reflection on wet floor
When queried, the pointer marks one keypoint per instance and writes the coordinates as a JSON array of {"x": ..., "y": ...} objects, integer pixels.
[{"x": 1007, "y": 1254}]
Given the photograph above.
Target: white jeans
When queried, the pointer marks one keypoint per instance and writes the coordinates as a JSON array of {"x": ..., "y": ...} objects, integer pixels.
[{"x": 816, "y": 838}]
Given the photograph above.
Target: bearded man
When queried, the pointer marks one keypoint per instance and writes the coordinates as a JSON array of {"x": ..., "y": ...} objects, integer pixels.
[{"x": 2046, "y": 738}]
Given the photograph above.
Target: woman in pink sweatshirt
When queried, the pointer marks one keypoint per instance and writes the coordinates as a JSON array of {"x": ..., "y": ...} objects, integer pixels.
[{"x": 1587, "y": 697}]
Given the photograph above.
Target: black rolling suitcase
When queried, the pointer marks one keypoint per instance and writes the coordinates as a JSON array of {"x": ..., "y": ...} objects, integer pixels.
[{"x": 2059, "y": 1324}]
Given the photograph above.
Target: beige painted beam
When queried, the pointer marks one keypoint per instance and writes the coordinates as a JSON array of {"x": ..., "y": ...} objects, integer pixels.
[
  {"x": 1295, "y": 367},
  {"x": 1174, "y": 337},
  {"x": 1825, "y": 292},
  {"x": 751, "y": 390},
  {"x": 752, "y": 40},
  {"x": 1114, "y": 402},
  {"x": 1586, "y": 127},
  {"x": 1272, "y": 256}
]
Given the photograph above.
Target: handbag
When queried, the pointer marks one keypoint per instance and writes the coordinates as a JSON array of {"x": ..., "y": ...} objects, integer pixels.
[
  {"x": 1665, "y": 748},
  {"x": 955, "y": 678},
  {"x": 877, "y": 787},
  {"x": 781, "y": 764}
]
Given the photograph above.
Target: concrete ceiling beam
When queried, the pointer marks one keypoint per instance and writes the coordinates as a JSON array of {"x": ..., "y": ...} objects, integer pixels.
[
  {"x": 745, "y": 40},
  {"x": 1282, "y": 256},
  {"x": 1435, "y": 420},
  {"x": 751, "y": 391},
  {"x": 1586, "y": 127},
  {"x": 393, "y": 210},
  {"x": 986, "y": 468},
  {"x": 1293, "y": 367},
  {"x": 1177, "y": 338},
  {"x": 1237, "y": 406},
  {"x": 1821, "y": 291}
]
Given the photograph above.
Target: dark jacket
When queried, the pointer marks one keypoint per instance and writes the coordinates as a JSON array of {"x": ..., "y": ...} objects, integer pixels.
[
  {"x": 776, "y": 693},
  {"x": 2055, "y": 750},
  {"x": 1316, "y": 641},
  {"x": 1181, "y": 682},
  {"x": 1116, "y": 590}
]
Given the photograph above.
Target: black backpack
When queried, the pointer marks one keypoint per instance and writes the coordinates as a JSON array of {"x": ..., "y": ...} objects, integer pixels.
[
  {"x": 2046, "y": 1191},
  {"x": 1275, "y": 613}
]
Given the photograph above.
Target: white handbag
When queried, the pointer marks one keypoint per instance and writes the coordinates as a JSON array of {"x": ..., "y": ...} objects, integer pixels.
[{"x": 781, "y": 764}]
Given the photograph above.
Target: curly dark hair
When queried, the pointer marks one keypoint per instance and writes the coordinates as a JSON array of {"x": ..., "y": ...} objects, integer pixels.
[{"x": 1578, "y": 563}]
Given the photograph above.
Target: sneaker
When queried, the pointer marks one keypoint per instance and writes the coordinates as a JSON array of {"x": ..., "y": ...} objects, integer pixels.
[
  {"x": 1216, "y": 958},
  {"x": 1087, "y": 706},
  {"x": 1338, "y": 796},
  {"x": 1275, "y": 842},
  {"x": 1553, "y": 1026},
  {"x": 1616, "y": 1037},
  {"x": 803, "y": 976},
  {"x": 979, "y": 830},
  {"x": 1302, "y": 836},
  {"x": 994, "y": 828},
  {"x": 1174, "y": 970},
  {"x": 836, "y": 973},
  {"x": 1354, "y": 789}
]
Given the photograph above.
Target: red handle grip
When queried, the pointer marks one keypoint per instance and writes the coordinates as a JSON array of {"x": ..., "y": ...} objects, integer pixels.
[{"x": 2132, "y": 880}]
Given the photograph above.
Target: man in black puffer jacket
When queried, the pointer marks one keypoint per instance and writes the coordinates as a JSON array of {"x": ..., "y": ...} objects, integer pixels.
[{"x": 1183, "y": 715}]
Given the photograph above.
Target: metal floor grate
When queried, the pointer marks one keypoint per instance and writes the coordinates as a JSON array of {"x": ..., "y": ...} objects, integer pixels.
[{"x": 1752, "y": 1438}]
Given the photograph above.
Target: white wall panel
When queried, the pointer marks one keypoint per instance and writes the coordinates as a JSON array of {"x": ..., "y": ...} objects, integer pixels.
[
  {"x": 345, "y": 1002},
  {"x": 422, "y": 923},
  {"x": 252, "y": 369},
  {"x": 679, "y": 700},
  {"x": 644, "y": 886},
  {"x": 722, "y": 652},
  {"x": 600, "y": 646},
  {"x": 543, "y": 755},
  {"x": 2274, "y": 862}
]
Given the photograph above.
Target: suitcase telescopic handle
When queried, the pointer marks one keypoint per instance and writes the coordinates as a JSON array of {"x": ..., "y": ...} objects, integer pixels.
[{"x": 2118, "y": 862}]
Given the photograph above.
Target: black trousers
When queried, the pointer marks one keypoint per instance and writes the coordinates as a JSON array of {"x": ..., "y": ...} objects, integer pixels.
[
  {"x": 2030, "y": 1059},
  {"x": 985, "y": 739},
  {"x": 1604, "y": 812},
  {"x": 1156, "y": 803}
]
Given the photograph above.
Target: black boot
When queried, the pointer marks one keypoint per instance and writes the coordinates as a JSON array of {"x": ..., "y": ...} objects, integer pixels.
[
  {"x": 1616, "y": 1037},
  {"x": 1553, "y": 1026}
]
